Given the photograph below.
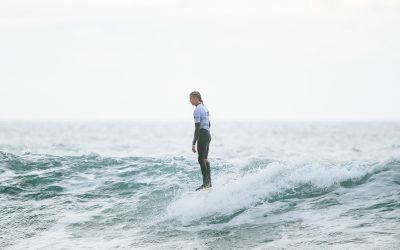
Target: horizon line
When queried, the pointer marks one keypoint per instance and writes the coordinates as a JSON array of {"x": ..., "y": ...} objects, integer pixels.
[{"x": 287, "y": 120}]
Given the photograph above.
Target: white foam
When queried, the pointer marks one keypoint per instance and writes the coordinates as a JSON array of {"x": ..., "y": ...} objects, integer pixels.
[{"x": 232, "y": 192}]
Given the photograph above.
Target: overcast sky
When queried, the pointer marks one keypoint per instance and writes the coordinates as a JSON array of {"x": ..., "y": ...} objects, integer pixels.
[{"x": 251, "y": 60}]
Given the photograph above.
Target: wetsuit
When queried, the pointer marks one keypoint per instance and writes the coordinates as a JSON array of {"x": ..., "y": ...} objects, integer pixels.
[{"x": 203, "y": 137}]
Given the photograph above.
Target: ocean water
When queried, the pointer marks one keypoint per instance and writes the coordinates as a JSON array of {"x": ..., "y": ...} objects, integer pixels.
[{"x": 276, "y": 185}]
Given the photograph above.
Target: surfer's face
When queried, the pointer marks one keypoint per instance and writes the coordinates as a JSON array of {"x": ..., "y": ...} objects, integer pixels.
[{"x": 193, "y": 100}]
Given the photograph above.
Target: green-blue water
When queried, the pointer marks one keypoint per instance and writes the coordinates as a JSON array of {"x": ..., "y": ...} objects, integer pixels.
[{"x": 130, "y": 186}]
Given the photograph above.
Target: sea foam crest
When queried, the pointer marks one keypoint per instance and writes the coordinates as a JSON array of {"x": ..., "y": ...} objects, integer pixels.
[{"x": 242, "y": 190}]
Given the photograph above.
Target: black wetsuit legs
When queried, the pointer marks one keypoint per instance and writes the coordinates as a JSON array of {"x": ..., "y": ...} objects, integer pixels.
[{"x": 203, "y": 144}]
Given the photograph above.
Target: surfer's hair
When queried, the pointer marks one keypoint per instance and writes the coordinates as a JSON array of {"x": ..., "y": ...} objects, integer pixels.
[{"x": 197, "y": 94}]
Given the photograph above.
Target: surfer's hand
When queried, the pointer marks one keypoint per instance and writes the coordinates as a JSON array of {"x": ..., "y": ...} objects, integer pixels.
[{"x": 194, "y": 148}]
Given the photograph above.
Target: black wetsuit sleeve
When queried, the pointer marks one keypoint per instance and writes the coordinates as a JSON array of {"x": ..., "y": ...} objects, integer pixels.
[{"x": 196, "y": 133}]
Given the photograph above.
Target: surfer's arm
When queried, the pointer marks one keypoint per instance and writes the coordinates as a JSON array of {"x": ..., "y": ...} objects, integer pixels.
[{"x": 196, "y": 133}]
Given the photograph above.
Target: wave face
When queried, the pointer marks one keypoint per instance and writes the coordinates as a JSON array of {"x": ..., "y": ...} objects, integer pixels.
[{"x": 130, "y": 186}]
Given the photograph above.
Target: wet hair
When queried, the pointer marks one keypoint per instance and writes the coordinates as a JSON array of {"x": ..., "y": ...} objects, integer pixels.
[{"x": 197, "y": 94}]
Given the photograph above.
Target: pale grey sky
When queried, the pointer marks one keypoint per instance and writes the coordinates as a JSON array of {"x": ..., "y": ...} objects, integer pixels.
[{"x": 251, "y": 60}]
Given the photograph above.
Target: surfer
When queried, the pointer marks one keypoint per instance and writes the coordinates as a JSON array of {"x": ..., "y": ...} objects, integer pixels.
[{"x": 202, "y": 136}]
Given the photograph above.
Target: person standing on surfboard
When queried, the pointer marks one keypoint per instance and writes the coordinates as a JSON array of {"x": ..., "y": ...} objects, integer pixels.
[{"x": 202, "y": 136}]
